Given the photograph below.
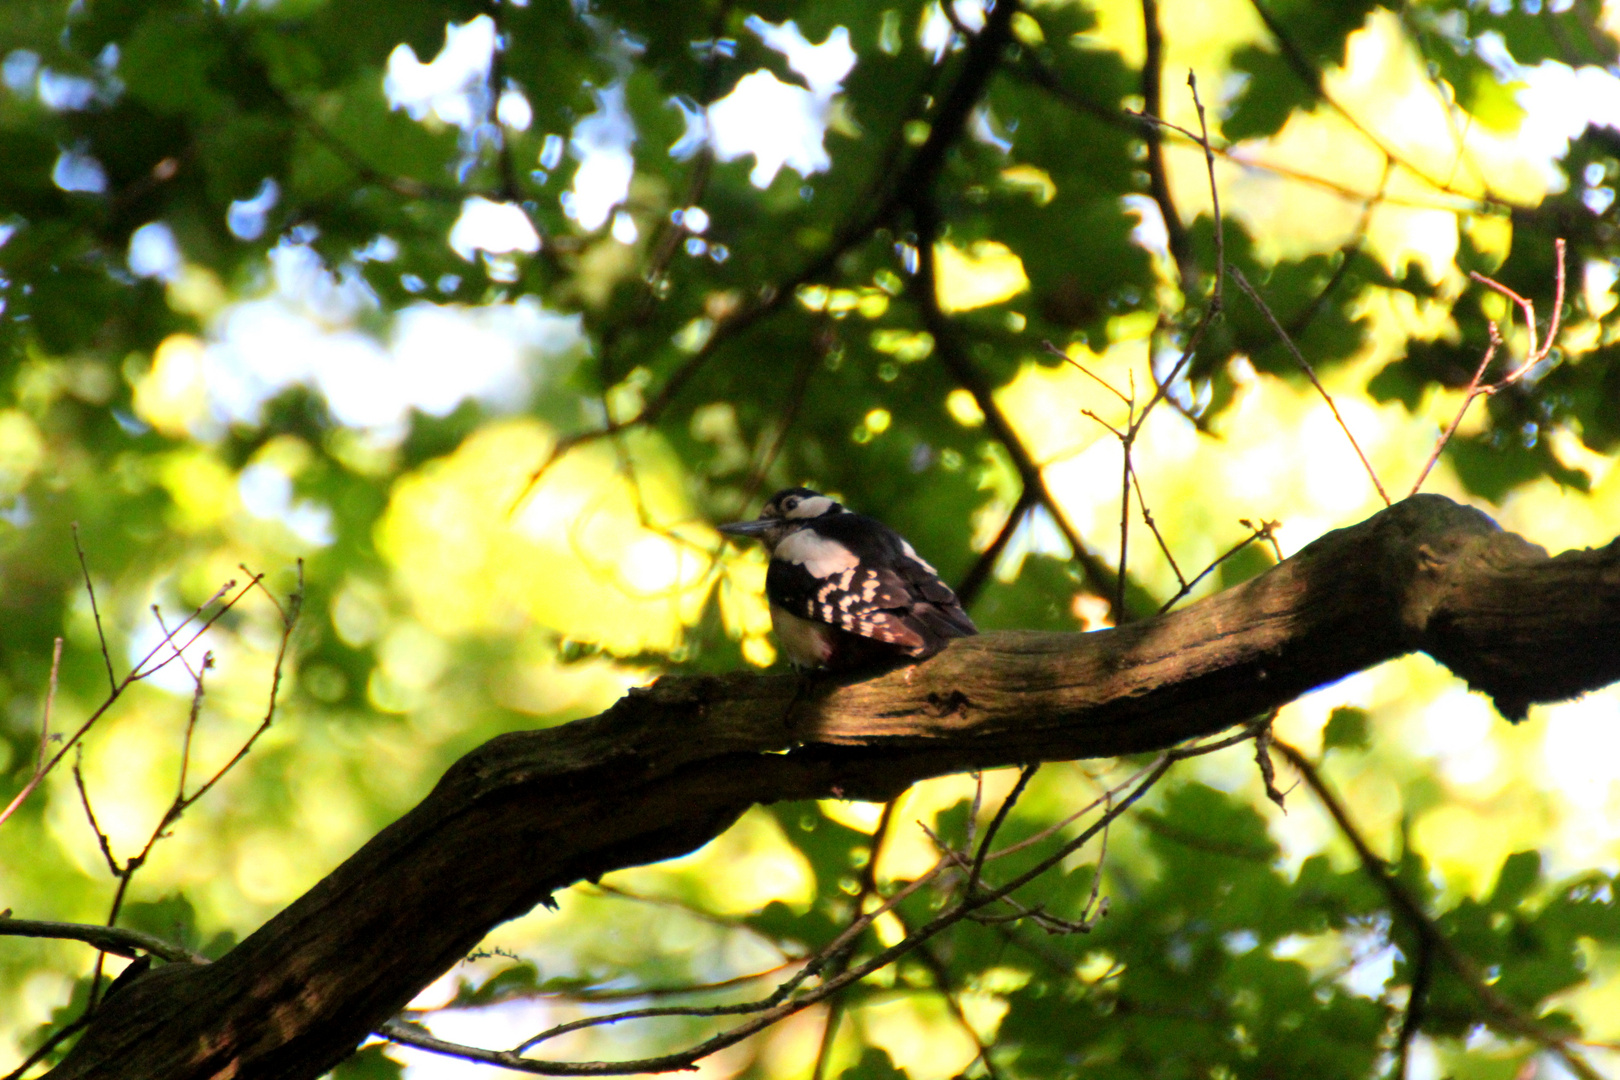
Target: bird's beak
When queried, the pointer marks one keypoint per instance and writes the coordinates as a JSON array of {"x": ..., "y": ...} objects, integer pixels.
[{"x": 757, "y": 527}]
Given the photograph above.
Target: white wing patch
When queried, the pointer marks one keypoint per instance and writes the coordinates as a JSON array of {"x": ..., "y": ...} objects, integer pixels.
[
  {"x": 822, "y": 557},
  {"x": 911, "y": 553}
]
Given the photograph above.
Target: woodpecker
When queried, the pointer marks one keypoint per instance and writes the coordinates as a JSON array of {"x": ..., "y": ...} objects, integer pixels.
[{"x": 846, "y": 590}]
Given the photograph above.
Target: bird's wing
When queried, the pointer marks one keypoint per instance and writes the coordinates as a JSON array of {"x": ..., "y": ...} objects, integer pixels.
[
  {"x": 861, "y": 576},
  {"x": 865, "y": 602}
]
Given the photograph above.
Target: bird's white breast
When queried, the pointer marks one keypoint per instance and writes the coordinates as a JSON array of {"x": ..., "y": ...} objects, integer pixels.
[{"x": 816, "y": 553}]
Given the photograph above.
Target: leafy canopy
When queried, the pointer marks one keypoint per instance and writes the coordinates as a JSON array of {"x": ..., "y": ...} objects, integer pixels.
[{"x": 489, "y": 310}]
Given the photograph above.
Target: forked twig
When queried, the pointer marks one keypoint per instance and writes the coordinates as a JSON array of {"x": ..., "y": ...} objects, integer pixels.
[
  {"x": 1533, "y": 356},
  {"x": 1263, "y": 531}
]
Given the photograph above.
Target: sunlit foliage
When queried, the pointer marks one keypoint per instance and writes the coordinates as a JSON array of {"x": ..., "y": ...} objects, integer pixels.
[{"x": 489, "y": 311}]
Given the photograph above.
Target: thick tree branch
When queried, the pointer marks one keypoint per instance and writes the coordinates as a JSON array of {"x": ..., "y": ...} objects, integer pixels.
[{"x": 669, "y": 767}]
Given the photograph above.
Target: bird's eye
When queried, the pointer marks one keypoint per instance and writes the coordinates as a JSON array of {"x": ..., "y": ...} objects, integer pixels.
[{"x": 790, "y": 504}]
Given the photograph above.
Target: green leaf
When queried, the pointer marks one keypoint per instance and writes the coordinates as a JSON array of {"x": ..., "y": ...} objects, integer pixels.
[
  {"x": 1347, "y": 728},
  {"x": 1520, "y": 873}
]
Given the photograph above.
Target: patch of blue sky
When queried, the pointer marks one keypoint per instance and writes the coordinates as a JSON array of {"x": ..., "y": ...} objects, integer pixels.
[
  {"x": 153, "y": 252},
  {"x": 267, "y": 492},
  {"x": 779, "y": 124}
]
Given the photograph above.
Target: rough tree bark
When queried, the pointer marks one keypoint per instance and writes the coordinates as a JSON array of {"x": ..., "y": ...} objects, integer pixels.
[{"x": 668, "y": 768}]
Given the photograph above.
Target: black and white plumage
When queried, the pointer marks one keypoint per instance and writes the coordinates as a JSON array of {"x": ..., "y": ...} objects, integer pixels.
[{"x": 846, "y": 590}]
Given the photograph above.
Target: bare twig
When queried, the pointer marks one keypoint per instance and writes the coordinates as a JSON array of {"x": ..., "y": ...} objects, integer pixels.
[
  {"x": 1025, "y": 775},
  {"x": 95, "y": 826},
  {"x": 1214, "y": 194},
  {"x": 1473, "y": 391},
  {"x": 781, "y": 1003},
  {"x": 967, "y": 590},
  {"x": 136, "y": 673},
  {"x": 95, "y": 610},
  {"x": 1263, "y": 738},
  {"x": 1078, "y": 366},
  {"x": 1153, "y": 527},
  {"x": 1310, "y": 373},
  {"x": 788, "y": 1006},
  {"x": 50, "y": 704},
  {"x": 289, "y": 617},
  {"x": 118, "y": 940},
  {"x": 1534, "y": 354},
  {"x": 1263, "y": 531},
  {"x": 596, "y": 995},
  {"x": 814, "y": 966}
]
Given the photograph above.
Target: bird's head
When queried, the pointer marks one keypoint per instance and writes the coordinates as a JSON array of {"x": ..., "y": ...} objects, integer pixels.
[{"x": 784, "y": 514}]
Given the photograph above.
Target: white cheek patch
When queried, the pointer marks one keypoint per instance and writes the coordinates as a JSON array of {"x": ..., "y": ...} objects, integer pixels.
[
  {"x": 822, "y": 557},
  {"x": 812, "y": 507}
]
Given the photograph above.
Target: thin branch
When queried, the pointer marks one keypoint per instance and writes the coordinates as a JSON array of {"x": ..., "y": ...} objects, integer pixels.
[
  {"x": 1263, "y": 738},
  {"x": 1214, "y": 192},
  {"x": 942, "y": 983},
  {"x": 954, "y": 356},
  {"x": 802, "y": 373},
  {"x": 1308, "y": 73},
  {"x": 1265, "y": 309},
  {"x": 1147, "y": 518},
  {"x": 106, "y": 654},
  {"x": 118, "y": 940},
  {"x": 967, "y": 590},
  {"x": 1126, "y": 444},
  {"x": 95, "y": 826},
  {"x": 1263, "y": 531},
  {"x": 1025, "y": 775},
  {"x": 50, "y": 705},
  {"x": 598, "y": 996},
  {"x": 125, "y": 874},
  {"x": 1473, "y": 391},
  {"x": 1416, "y": 999},
  {"x": 1032, "y": 69},
  {"x": 814, "y": 966},
  {"x": 835, "y": 1014},
  {"x": 1078, "y": 366},
  {"x": 1534, "y": 354},
  {"x": 1179, "y": 244},
  {"x": 289, "y": 623}
]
